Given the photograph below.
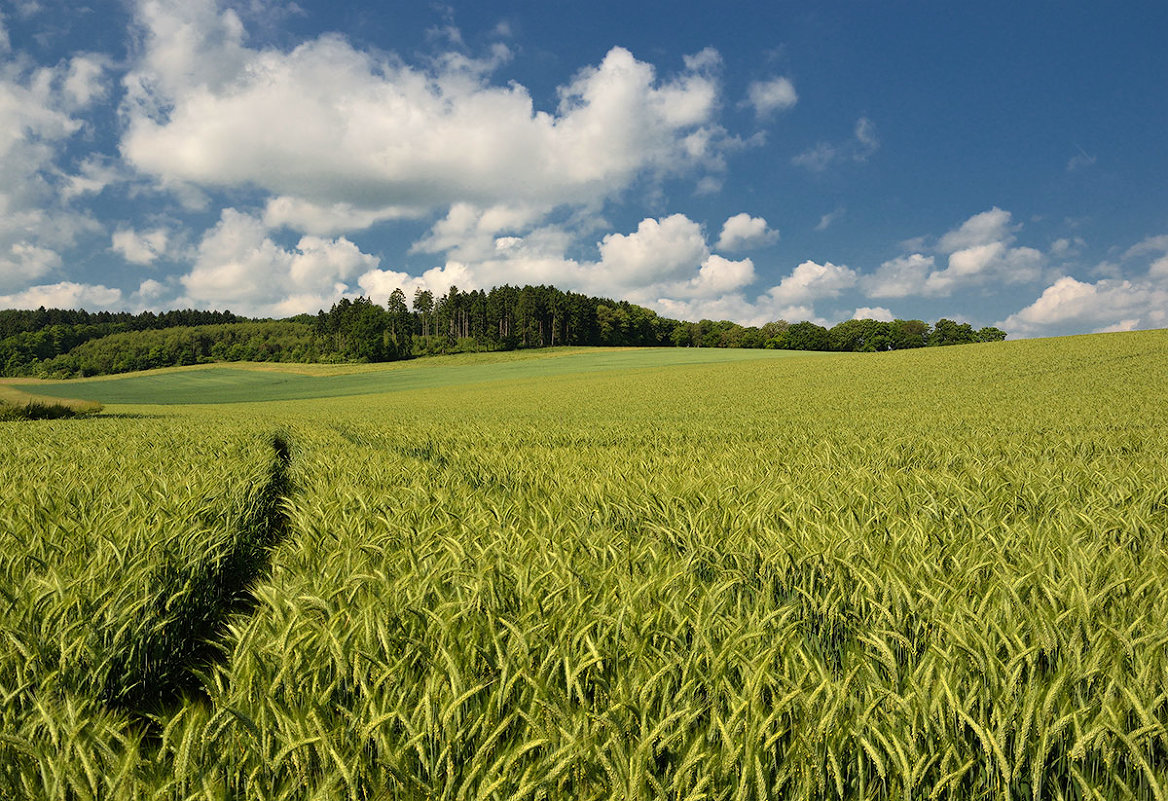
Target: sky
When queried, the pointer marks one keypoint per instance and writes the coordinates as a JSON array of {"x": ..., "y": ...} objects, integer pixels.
[{"x": 999, "y": 163}]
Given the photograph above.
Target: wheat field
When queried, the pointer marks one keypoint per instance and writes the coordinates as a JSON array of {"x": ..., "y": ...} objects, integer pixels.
[{"x": 922, "y": 574}]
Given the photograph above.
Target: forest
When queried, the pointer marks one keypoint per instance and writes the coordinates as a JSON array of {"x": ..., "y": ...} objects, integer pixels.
[{"x": 66, "y": 343}]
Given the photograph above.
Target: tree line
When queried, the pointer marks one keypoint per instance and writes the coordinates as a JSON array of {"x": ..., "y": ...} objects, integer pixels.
[
  {"x": 507, "y": 317},
  {"x": 28, "y": 338},
  {"x": 60, "y": 343}
]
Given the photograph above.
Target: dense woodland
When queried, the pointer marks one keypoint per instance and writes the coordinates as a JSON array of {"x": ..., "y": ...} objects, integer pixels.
[{"x": 60, "y": 343}]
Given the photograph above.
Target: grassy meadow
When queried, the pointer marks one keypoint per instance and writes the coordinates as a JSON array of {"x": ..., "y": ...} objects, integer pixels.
[{"x": 596, "y": 574}]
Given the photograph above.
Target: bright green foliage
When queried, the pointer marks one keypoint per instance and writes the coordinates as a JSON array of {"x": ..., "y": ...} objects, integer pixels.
[{"x": 924, "y": 574}]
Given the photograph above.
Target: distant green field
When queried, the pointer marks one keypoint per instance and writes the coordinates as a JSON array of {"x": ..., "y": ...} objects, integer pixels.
[
  {"x": 599, "y": 575},
  {"x": 241, "y": 383}
]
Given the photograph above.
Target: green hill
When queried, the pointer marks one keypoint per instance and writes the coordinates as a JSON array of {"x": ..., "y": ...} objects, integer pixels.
[{"x": 251, "y": 382}]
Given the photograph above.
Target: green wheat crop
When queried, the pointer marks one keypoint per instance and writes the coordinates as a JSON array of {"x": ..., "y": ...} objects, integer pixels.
[{"x": 928, "y": 574}]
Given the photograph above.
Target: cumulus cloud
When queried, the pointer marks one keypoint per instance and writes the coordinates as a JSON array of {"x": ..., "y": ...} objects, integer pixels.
[
  {"x": 64, "y": 295},
  {"x": 1112, "y": 303},
  {"x": 873, "y": 313},
  {"x": 150, "y": 290},
  {"x": 658, "y": 251},
  {"x": 981, "y": 229},
  {"x": 980, "y": 264},
  {"x": 366, "y": 137},
  {"x": 1069, "y": 304},
  {"x": 811, "y": 281},
  {"x": 379, "y": 284},
  {"x": 469, "y": 232},
  {"x": 900, "y": 277},
  {"x": 980, "y": 251},
  {"x": 239, "y": 266},
  {"x": 143, "y": 247},
  {"x": 742, "y": 232},
  {"x": 718, "y": 276},
  {"x": 793, "y": 299},
  {"x": 767, "y": 97}
]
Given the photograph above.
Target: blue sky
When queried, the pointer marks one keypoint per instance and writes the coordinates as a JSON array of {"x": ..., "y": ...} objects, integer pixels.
[{"x": 1002, "y": 163}]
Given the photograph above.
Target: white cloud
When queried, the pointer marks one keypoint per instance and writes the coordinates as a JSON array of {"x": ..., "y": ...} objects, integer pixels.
[
  {"x": 767, "y": 97},
  {"x": 662, "y": 250},
  {"x": 717, "y": 279},
  {"x": 64, "y": 295},
  {"x": 873, "y": 313},
  {"x": 811, "y": 281},
  {"x": 1109, "y": 304},
  {"x": 733, "y": 306},
  {"x": 983, "y": 263},
  {"x": 980, "y": 251},
  {"x": 85, "y": 82},
  {"x": 980, "y": 229},
  {"x": 900, "y": 277},
  {"x": 718, "y": 276},
  {"x": 1112, "y": 303},
  {"x": 378, "y": 284},
  {"x": 468, "y": 232},
  {"x": 24, "y": 263},
  {"x": 355, "y": 134},
  {"x": 184, "y": 45},
  {"x": 140, "y": 247},
  {"x": 240, "y": 267},
  {"x": 742, "y": 232},
  {"x": 151, "y": 290},
  {"x": 704, "y": 60}
]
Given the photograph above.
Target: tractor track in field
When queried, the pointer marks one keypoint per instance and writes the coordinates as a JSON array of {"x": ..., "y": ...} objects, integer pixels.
[{"x": 157, "y": 665}]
